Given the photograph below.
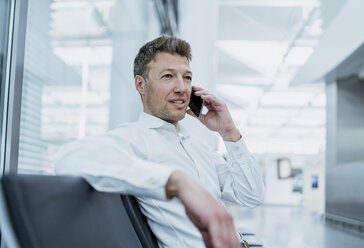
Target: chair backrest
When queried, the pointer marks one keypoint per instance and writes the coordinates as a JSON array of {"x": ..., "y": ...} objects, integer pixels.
[
  {"x": 60, "y": 211},
  {"x": 139, "y": 221}
]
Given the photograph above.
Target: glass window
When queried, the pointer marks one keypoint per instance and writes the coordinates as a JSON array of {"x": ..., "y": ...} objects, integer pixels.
[{"x": 78, "y": 72}]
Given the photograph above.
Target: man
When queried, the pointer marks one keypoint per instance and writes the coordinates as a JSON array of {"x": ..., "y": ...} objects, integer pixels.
[{"x": 177, "y": 179}]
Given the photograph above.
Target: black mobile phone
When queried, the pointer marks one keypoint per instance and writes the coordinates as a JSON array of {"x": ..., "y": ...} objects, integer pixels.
[{"x": 196, "y": 104}]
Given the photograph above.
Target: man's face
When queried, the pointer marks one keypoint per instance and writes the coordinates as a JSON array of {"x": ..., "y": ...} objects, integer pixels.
[{"x": 168, "y": 87}]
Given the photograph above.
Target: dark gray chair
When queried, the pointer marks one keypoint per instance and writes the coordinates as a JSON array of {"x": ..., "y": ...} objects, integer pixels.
[{"x": 59, "y": 211}]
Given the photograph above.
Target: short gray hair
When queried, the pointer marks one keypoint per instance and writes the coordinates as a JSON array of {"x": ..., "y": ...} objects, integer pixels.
[{"x": 163, "y": 43}]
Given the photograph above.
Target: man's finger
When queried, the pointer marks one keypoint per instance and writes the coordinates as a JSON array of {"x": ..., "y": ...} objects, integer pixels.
[
  {"x": 202, "y": 92},
  {"x": 212, "y": 100},
  {"x": 196, "y": 88}
]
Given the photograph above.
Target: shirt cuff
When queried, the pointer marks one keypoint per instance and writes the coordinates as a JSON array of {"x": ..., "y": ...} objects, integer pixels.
[
  {"x": 237, "y": 150},
  {"x": 155, "y": 185}
]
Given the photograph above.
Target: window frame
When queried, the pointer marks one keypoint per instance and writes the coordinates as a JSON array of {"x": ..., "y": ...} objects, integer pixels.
[{"x": 11, "y": 85}]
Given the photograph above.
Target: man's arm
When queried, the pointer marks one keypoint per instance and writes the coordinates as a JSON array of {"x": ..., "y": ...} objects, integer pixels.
[
  {"x": 209, "y": 216},
  {"x": 240, "y": 180},
  {"x": 108, "y": 164},
  {"x": 105, "y": 162}
]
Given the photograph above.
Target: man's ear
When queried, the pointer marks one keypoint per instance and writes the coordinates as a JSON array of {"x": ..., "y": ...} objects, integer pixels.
[{"x": 139, "y": 84}]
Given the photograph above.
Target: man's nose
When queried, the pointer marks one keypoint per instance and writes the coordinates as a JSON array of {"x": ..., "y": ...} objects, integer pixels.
[{"x": 180, "y": 85}]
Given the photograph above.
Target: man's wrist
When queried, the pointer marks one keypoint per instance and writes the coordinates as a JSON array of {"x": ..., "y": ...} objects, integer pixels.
[
  {"x": 173, "y": 185},
  {"x": 180, "y": 185},
  {"x": 231, "y": 136}
]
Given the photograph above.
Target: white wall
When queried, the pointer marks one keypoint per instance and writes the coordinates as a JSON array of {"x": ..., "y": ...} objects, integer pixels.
[
  {"x": 314, "y": 198},
  {"x": 279, "y": 191}
]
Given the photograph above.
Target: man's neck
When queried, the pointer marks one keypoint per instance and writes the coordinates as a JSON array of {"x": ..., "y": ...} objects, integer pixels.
[{"x": 174, "y": 123}]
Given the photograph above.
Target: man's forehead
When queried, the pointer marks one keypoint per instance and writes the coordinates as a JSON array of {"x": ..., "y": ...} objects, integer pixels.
[{"x": 170, "y": 61}]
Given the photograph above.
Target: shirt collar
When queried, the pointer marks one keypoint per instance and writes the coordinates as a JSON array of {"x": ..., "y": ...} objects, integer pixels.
[{"x": 153, "y": 122}]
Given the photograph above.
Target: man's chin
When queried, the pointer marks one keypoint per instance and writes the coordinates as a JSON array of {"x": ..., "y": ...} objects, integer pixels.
[
  {"x": 179, "y": 117},
  {"x": 174, "y": 118}
]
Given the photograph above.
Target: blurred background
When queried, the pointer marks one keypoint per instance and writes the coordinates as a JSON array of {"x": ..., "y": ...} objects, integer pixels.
[{"x": 290, "y": 71}]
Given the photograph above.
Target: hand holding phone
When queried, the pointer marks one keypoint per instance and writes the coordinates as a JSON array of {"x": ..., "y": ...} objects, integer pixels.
[{"x": 196, "y": 104}]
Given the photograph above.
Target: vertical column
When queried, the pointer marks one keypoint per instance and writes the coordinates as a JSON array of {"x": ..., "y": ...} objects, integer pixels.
[
  {"x": 129, "y": 30},
  {"x": 198, "y": 26},
  {"x": 345, "y": 144},
  {"x": 331, "y": 118}
]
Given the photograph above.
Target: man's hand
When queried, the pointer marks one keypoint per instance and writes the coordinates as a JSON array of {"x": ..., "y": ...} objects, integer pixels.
[
  {"x": 209, "y": 216},
  {"x": 218, "y": 117}
]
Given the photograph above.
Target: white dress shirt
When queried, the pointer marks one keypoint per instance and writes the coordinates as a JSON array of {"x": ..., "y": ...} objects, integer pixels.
[{"x": 138, "y": 158}]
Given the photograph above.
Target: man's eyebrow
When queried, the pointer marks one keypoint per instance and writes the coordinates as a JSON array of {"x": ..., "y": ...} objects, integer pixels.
[{"x": 173, "y": 70}]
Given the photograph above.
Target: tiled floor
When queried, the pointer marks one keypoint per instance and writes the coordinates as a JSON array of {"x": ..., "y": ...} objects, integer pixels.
[{"x": 292, "y": 227}]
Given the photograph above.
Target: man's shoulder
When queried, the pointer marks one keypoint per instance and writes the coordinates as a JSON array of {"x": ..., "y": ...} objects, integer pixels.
[
  {"x": 127, "y": 129},
  {"x": 126, "y": 134}
]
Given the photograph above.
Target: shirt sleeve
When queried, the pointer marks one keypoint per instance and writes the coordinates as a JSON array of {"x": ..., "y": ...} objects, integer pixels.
[
  {"x": 111, "y": 164},
  {"x": 240, "y": 179}
]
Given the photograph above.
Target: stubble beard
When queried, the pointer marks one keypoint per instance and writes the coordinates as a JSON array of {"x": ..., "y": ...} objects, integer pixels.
[{"x": 164, "y": 113}]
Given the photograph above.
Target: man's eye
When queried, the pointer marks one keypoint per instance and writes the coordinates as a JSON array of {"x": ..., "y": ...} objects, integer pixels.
[
  {"x": 188, "y": 78},
  {"x": 167, "y": 76}
]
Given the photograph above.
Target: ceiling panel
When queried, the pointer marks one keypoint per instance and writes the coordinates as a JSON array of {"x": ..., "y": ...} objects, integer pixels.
[{"x": 257, "y": 23}]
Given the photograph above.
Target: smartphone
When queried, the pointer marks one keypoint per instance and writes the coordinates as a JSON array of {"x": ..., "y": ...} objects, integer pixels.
[{"x": 196, "y": 104}]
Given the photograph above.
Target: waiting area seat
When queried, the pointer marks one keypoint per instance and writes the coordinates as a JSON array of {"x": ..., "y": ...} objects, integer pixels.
[{"x": 59, "y": 211}]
